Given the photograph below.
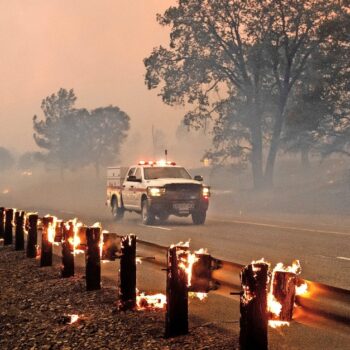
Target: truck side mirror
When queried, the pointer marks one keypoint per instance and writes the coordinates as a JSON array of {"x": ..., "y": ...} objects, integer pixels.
[{"x": 198, "y": 178}]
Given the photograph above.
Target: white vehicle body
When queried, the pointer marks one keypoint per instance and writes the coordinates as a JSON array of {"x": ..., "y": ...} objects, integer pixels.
[{"x": 156, "y": 190}]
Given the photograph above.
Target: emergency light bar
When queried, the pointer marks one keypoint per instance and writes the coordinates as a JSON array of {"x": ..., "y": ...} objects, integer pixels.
[{"x": 159, "y": 162}]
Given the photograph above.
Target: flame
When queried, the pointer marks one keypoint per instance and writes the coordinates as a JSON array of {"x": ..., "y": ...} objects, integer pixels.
[
  {"x": 51, "y": 229},
  {"x": 101, "y": 238},
  {"x": 138, "y": 260},
  {"x": 73, "y": 318},
  {"x": 5, "y": 191},
  {"x": 276, "y": 324},
  {"x": 186, "y": 264},
  {"x": 150, "y": 302},
  {"x": 302, "y": 289},
  {"x": 27, "y": 173},
  {"x": 200, "y": 296},
  {"x": 75, "y": 241},
  {"x": 273, "y": 305},
  {"x": 181, "y": 244},
  {"x": 202, "y": 251},
  {"x": 294, "y": 268}
]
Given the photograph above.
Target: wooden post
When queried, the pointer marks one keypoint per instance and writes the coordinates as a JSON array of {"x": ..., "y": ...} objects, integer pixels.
[
  {"x": 59, "y": 231},
  {"x": 46, "y": 245},
  {"x": 110, "y": 246},
  {"x": 201, "y": 281},
  {"x": 176, "y": 319},
  {"x": 19, "y": 233},
  {"x": 253, "y": 307},
  {"x": 32, "y": 235},
  {"x": 67, "y": 269},
  {"x": 283, "y": 289},
  {"x": 93, "y": 260},
  {"x": 127, "y": 273},
  {"x": 8, "y": 235},
  {"x": 2, "y": 222}
]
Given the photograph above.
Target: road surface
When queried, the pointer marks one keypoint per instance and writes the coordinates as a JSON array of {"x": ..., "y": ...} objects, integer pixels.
[{"x": 324, "y": 254}]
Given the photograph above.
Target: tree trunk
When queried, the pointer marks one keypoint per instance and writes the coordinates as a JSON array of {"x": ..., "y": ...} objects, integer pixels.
[
  {"x": 257, "y": 163},
  {"x": 275, "y": 140}
]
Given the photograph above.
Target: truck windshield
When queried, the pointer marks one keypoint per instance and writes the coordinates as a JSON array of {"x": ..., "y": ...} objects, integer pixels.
[{"x": 166, "y": 172}]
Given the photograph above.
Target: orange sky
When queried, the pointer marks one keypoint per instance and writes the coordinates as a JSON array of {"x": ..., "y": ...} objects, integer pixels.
[{"x": 95, "y": 47}]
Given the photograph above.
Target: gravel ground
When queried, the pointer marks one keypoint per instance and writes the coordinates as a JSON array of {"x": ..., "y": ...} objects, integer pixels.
[{"x": 35, "y": 304}]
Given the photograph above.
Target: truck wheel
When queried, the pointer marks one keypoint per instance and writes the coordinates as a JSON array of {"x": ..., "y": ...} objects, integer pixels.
[
  {"x": 147, "y": 217},
  {"x": 163, "y": 217},
  {"x": 198, "y": 217},
  {"x": 118, "y": 213}
]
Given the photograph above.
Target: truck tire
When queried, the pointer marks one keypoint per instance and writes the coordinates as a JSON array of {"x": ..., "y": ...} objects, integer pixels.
[
  {"x": 198, "y": 217},
  {"x": 147, "y": 217},
  {"x": 163, "y": 217},
  {"x": 118, "y": 213}
]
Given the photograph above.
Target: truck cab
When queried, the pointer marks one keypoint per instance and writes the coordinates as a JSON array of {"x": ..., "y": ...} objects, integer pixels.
[{"x": 157, "y": 190}]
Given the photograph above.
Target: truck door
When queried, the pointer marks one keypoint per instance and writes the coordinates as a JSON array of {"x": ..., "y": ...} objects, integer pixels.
[
  {"x": 138, "y": 188},
  {"x": 128, "y": 189}
]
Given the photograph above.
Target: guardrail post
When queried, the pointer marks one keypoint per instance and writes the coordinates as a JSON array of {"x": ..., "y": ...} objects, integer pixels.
[
  {"x": 32, "y": 238},
  {"x": 2, "y": 222},
  {"x": 46, "y": 245},
  {"x": 19, "y": 233},
  {"x": 8, "y": 235},
  {"x": 93, "y": 260},
  {"x": 67, "y": 269},
  {"x": 253, "y": 307},
  {"x": 127, "y": 273},
  {"x": 283, "y": 289},
  {"x": 176, "y": 318}
]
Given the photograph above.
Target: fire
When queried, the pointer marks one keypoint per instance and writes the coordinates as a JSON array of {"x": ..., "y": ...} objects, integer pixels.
[
  {"x": 138, "y": 260},
  {"x": 302, "y": 289},
  {"x": 51, "y": 229},
  {"x": 6, "y": 191},
  {"x": 73, "y": 318},
  {"x": 187, "y": 264},
  {"x": 273, "y": 305},
  {"x": 200, "y": 296},
  {"x": 101, "y": 240},
  {"x": 150, "y": 302},
  {"x": 27, "y": 173},
  {"x": 75, "y": 241},
  {"x": 276, "y": 324}
]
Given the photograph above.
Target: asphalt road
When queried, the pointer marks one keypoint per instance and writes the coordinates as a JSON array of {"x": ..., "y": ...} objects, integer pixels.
[{"x": 324, "y": 254}]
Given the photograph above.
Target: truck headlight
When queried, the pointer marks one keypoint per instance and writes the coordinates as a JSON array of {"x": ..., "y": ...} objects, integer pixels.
[
  {"x": 206, "y": 192},
  {"x": 156, "y": 191}
]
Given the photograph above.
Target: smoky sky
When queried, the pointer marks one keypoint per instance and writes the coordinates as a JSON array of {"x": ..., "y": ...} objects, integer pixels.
[{"x": 95, "y": 47}]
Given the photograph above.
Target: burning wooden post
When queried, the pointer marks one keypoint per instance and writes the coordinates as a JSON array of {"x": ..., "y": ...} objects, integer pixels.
[
  {"x": 8, "y": 235},
  {"x": 67, "y": 269},
  {"x": 201, "y": 276},
  {"x": 59, "y": 231},
  {"x": 176, "y": 319},
  {"x": 253, "y": 307},
  {"x": 46, "y": 243},
  {"x": 19, "y": 233},
  {"x": 110, "y": 246},
  {"x": 127, "y": 273},
  {"x": 93, "y": 260},
  {"x": 32, "y": 235},
  {"x": 2, "y": 221}
]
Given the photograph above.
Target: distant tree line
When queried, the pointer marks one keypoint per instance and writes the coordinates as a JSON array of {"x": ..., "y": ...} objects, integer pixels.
[
  {"x": 73, "y": 138},
  {"x": 265, "y": 76}
]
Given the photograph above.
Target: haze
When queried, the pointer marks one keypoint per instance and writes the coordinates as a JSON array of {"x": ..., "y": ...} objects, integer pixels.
[{"x": 95, "y": 47}]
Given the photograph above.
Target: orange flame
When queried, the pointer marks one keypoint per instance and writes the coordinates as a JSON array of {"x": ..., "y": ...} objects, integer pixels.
[
  {"x": 200, "y": 296},
  {"x": 150, "y": 302},
  {"x": 73, "y": 318},
  {"x": 276, "y": 324},
  {"x": 302, "y": 289}
]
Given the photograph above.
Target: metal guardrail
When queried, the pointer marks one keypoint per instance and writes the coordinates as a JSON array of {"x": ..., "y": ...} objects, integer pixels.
[{"x": 321, "y": 300}]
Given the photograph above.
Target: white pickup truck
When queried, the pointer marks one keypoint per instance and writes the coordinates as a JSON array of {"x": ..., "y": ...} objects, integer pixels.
[{"x": 156, "y": 190}]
